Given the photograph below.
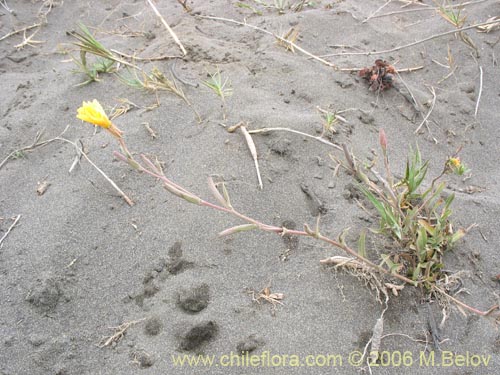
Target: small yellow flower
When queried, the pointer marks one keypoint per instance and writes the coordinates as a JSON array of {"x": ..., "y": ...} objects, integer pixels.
[
  {"x": 454, "y": 162},
  {"x": 93, "y": 113}
]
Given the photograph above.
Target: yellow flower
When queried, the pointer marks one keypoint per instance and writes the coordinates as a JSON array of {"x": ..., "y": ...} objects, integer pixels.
[
  {"x": 454, "y": 162},
  {"x": 93, "y": 113}
]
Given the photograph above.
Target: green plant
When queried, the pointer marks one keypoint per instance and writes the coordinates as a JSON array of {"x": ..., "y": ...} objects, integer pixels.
[
  {"x": 92, "y": 71},
  {"x": 279, "y": 5},
  {"x": 450, "y": 14},
  {"x": 156, "y": 81},
  {"x": 357, "y": 261},
  {"x": 19, "y": 154},
  {"x": 221, "y": 87},
  {"x": 247, "y": 6},
  {"x": 106, "y": 59},
  {"x": 137, "y": 77},
  {"x": 329, "y": 121},
  {"x": 417, "y": 218}
]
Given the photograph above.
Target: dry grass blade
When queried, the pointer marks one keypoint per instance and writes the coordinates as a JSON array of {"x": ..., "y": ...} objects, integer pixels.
[
  {"x": 291, "y": 44},
  {"x": 174, "y": 36},
  {"x": 377, "y": 11},
  {"x": 253, "y": 151},
  {"x": 118, "y": 334},
  {"x": 4, "y": 5},
  {"x": 290, "y": 37},
  {"x": 491, "y": 27},
  {"x": 186, "y": 7},
  {"x": 480, "y": 90},
  {"x": 28, "y": 41},
  {"x": 138, "y": 58},
  {"x": 24, "y": 29},
  {"x": 428, "y": 8},
  {"x": 112, "y": 183},
  {"x": 265, "y": 294},
  {"x": 424, "y": 121},
  {"x": 319, "y": 139},
  {"x": 37, "y": 143},
  {"x": 9, "y": 230},
  {"x": 368, "y": 53}
]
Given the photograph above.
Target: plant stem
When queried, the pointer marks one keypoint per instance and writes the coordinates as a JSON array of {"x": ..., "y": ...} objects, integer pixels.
[
  {"x": 262, "y": 226},
  {"x": 464, "y": 305}
]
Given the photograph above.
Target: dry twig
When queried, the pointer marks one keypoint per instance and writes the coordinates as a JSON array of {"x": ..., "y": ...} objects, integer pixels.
[
  {"x": 424, "y": 121},
  {"x": 319, "y": 139},
  {"x": 9, "y": 230},
  {"x": 28, "y": 41},
  {"x": 119, "y": 333},
  {"x": 253, "y": 151},
  {"x": 378, "y": 10},
  {"x": 174, "y": 36},
  {"x": 428, "y": 8},
  {"x": 281, "y": 39},
  {"x": 24, "y": 29},
  {"x": 265, "y": 294},
  {"x": 368, "y": 53},
  {"x": 153, "y": 58},
  {"x": 480, "y": 90},
  {"x": 251, "y": 146},
  {"x": 37, "y": 143}
]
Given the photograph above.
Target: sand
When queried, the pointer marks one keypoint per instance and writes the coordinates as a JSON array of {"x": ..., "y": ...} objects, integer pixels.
[{"x": 80, "y": 260}]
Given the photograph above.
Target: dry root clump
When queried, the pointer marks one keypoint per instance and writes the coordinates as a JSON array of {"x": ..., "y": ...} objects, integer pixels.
[{"x": 380, "y": 76}]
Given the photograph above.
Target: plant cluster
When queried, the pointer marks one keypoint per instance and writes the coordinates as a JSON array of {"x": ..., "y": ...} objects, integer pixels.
[
  {"x": 417, "y": 218},
  {"x": 109, "y": 62},
  {"x": 281, "y": 6}
]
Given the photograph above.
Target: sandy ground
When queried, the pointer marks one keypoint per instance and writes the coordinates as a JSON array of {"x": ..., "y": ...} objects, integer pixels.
[{"x": 80, "y": 260}]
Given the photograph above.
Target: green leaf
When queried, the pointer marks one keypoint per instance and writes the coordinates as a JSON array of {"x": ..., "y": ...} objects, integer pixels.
[
  {"x": 422, "y": 244},
  {"x": 385, "y": 211},
  {"x": 362, "y": 243},
  {"x": 457, "y": 236},
  {"x": 393, "y": 267},
  {"x": 342, "y": 235}
]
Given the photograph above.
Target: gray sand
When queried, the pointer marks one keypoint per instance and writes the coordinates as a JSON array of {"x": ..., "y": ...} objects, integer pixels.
[{"x": 81, "y": 260}]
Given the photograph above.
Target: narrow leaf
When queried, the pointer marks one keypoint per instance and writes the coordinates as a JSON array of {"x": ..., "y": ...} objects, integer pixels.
[
  {"x": 216, "y": 193},
  {"x": 238, "y": 228},
  {"x": 362, "y": 244},
  {"x": 226, "y": 195},
  {"x": 253, "y": 151}
]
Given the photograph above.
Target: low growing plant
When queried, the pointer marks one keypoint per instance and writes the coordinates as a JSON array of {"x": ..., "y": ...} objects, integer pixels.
[
  {"x": 417, "y": 218},
  {"x": 420, "y": 220},
  {"x": 108, "y": 62},
  {"x": 221, "y": 87},
  {"x": 451, "y": 13}
]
